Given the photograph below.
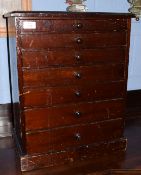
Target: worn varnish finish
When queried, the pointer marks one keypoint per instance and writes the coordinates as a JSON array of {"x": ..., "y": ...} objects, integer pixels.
[
  {"x": 123, "y": 164},
  {"x": 73, "y": 114},
  {"x": 72, "y": 72},
  {"x": 70, "y": 76},
  {"x": 72, "y": 57},
  {"x": 72, "y": 136},
  {"x": 66, "y": 95},
  {"x": 89, "y": 40},
  {"x": 71, "y": 25}
]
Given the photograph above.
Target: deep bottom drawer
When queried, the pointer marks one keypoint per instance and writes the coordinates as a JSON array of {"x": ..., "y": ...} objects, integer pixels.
[
  {"x": 51, "y": 117},
  {"x": 66, "y": 137},
  {"x": 98, "y": 153}
]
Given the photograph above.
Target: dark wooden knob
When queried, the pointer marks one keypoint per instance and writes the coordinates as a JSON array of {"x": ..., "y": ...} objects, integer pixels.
[
  {"x": 78, "y": 57},
  {"x": 79, "y": 25},
  {"x": 77, "y": 75},
  {"x": 77, "y": 113},
  {"x": 77, "y": 93},
  {"x": 78, "y": 136},
  {"x": 79, "y": 40}
]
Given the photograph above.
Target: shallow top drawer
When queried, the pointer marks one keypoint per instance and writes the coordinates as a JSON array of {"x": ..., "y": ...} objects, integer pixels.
[{"x": 62, "y": 26}]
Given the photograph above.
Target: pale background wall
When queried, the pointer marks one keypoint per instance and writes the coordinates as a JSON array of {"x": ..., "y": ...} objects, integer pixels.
[
  {"x": 4, "y": 76},
  {"x": 56, "y": 5},
  {"x": 134, "y": 72},
  {"x": 134, "y": 80}
]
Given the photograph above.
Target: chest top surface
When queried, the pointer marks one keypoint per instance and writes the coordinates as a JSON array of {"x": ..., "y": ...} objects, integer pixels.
[{"x": 54, "y": 14}]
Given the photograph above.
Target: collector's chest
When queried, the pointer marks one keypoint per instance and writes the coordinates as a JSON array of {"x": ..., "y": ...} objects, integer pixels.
[{"x": 68, "y": 84}]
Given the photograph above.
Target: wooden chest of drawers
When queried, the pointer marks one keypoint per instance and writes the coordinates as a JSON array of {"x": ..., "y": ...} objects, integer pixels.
[{"x": 72, "y": 78}]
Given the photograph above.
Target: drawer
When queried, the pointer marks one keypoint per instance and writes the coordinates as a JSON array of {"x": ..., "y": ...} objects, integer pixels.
[
  {"x": 72, "y": 94},
  {"x": 74, "y": 25},
  {"x": 72, "y": 75},
  {"x": 84, "y": 153},
  {"x": 72, "y": 57},
  {"x": 66, "y": 137},
  {"x": 72, "y": 114},
  {"x": 90, "y": 40}
]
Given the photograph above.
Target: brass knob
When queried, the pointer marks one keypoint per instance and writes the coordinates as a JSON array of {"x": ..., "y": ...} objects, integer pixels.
[
  {"x": 77, "y": 93},
  {"x": 78, "y": 136},
  {"x": 78, "y": 57},
  {"x": 77, "y": 75},
  {"x": 77, "y": 113},
  {"x": 79, "y": 40}
]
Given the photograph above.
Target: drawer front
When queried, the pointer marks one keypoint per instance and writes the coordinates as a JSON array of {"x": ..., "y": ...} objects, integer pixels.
[
  {"x": 72, "y": 75},
  {"x": 77, "y": 154},
  {"x": 71, "y": 57},
  {"x": 75, "y": 94},
  {"x": 91, "y": 40},
  {"x": 52, "y": 117},
  {"x": 63, "y": 138},
  {"x": 75, "y": 25}
]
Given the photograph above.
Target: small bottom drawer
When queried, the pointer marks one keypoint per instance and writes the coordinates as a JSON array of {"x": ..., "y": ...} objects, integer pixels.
[
  {"x": 66, "y": 137},
  {"x": 98, "y": 153}
]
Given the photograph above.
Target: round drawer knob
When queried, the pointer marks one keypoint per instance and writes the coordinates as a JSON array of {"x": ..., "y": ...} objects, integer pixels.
[
  {"x": 77, "y": 114},
  {"x": 79, "y": 25},
  {"x": 77, "y": 93},
  {"x": 78, "y": 136},
  {"x": 78, "y": 57},
  {"x": 77, "y": 75},
  {"x": 79, "y": 40}
]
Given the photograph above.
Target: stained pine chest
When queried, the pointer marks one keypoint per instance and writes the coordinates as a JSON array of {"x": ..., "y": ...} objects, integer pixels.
[{"x": 68, "y": 85}]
